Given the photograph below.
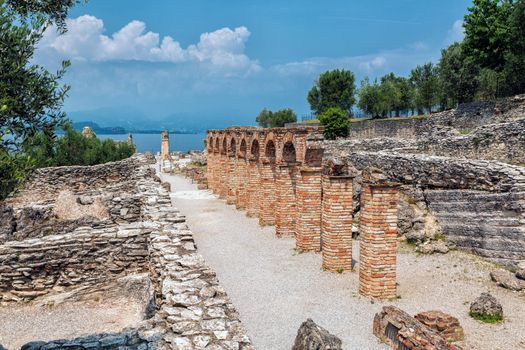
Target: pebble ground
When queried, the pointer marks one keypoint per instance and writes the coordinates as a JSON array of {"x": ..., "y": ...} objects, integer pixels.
[{"x": 275, "y": 289}]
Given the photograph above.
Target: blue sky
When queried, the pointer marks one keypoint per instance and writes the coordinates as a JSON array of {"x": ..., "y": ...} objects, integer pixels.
[{"x": 210, "y": 63}]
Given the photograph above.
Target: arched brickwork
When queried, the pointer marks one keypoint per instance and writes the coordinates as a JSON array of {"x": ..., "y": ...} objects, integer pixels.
[
  {"x": 224, "y": 146},
  {"x": 242, "y": 148},
  {"x": 254, "y": 149},
  {"x": 270, "y": 150},
  {"x": 216, "y": 149},
  {"x": 232, "y": 149},
  {"x": 289, "y": 154}
]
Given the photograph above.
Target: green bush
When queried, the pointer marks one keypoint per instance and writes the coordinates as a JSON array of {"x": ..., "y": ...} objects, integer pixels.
[
  {"x": 269, "y": 119},
  {"x": 336, "y": 123}
]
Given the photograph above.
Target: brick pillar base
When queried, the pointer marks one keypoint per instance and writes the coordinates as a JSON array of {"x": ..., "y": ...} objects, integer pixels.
[
  {"x": 309, "y": 194},
  {"x": 285, "y": 207},
  {"x": 337, "y": 212},
  {"x": 267, "y": 198},
  {"x": 240, "y": 200},
  {"x": 231, "y": 181},
  {"x": 253, "y": 189},
  {"x": 378, "y": 240},
  {"x": 224, "y": 174}
]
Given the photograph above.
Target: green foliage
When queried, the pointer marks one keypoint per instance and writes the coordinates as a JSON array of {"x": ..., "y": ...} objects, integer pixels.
[
  {"x": 425, "y": 80},
  {"x": 334, "y": 88},
  {"x": 13, "y": 170},
  {"x": 488, "y": 84},
  {"x": 269, "y": 119},
  {"x": 393, "y": 94},
  {"x": 487, "y": 32},
  {"x": 458, "y": 76},
  {"x": 491, "y": 319},
  {"x": 31, "y": 98},
  {"x": 336, "y": 123},
  {"x": 370, "y": 99}
]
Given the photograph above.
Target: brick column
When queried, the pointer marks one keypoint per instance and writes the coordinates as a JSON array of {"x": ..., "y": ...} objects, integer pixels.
[
  {"x": 378, "y": 239},
  {"x": 210, "y": 170},
  {"x": 337, "y": 213},
  {"x": 267, "y": 190},
  {"x": 285, "y": 205},
  {"x": 309, "y": 194},
  {"x": 240, "y": 200},
  {"x": 231, "y": 180},
  {"x": 224, "y": 175},
  {"x": 253, "y": 189}
]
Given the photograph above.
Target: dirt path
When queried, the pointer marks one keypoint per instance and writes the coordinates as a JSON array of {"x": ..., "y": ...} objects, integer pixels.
[{"x": 275, "y": 289}]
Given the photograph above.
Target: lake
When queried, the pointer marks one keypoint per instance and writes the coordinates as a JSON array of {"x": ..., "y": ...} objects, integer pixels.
[{"x": 151, "y": 142}]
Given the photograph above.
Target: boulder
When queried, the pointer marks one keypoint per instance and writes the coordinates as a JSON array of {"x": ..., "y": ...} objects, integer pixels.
[
  {"x": 85, "y": 200},
  {"x": 432, "y": 247},
  {"x": 507, "y": 279},
  {"x": 486, "y": 305},
  {"x": 446, "y": 325},
  {"x": 520, "y": 274},
  {"x": 313, "y": 337}
]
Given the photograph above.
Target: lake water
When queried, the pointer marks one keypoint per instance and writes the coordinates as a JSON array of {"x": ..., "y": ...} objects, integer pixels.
[{"x": 151, "y": 142}]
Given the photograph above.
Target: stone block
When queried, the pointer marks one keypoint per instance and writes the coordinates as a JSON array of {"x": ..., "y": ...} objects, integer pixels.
[{"x": 313, "y": 337}]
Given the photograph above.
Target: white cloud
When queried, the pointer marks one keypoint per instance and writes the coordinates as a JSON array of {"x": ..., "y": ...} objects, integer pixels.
[
  {"x": 456, "y": 33},
  {"x": 85, "y": 41},
  {"x": 374, "y": 63}
]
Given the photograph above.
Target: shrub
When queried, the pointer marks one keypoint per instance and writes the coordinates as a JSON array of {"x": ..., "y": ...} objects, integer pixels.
[{"x": 336, "y": 123}]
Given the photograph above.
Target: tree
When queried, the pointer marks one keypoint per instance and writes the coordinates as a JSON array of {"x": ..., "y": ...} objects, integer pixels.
[
  {"x": 514, "y": 69},
  {"x": 458, "y": 76},
  {"x": 370, "y": 98},
  {"x": 487, "y": 32},
  {"x": 334, "y": 88},
  {"x": 269, "y": 119},
  {"x": 336, "y": 123},
  {"x": 488, "y": 84},
  {"x": 425, "y": 80},
  {"x": 31, "y": 98}
]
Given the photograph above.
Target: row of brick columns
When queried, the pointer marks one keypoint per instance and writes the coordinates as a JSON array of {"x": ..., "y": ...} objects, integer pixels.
[{"x": 317, "y": 210}]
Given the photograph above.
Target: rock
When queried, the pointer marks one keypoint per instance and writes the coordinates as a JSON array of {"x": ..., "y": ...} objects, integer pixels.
[
  {"x": 432, "y": 247},
  {"x": 2, "y": 348},
  {"x": 85, "y": 200},
  {"x": 312, "y": 337},
  {"x": 486, "y": 305},
  {"x": 507, "y": 279},
  {"x": 520, "y": 274},
  {"x": 446, "y": 325},
  {"x": 166, "y": 186}
]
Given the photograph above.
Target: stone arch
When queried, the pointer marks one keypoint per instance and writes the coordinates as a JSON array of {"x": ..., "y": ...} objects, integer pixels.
[
  {"x": 209, "y": 144},
  {"x": 232, "y": 150},
  {"x": 254, "y": 149},
  {"x": 269, "y": 150},
  {"x": 217, "y": 145},
  {"x": 242, "y": 148},
  {"x": 289, "y": 154},
  {"x": 224, "y": 147}
]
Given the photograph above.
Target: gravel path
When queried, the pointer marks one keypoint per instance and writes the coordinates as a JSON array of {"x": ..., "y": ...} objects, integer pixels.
[{"x": 275, "y": 290}]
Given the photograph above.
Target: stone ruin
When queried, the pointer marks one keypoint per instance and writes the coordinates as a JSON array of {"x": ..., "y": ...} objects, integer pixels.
[
  {"x": 456, "y": 177},
  {"x": 97, "y": 232}
]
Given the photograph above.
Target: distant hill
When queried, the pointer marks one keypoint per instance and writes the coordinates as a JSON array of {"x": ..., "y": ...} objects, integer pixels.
[{"x": 116, "y": 130}]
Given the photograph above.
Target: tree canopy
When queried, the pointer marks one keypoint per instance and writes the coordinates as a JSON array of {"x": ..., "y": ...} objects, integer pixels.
[
  {"x": 335, "y": 122},
  {"x": 334, "y": 88},
  {"x": 269, "y": 119}
]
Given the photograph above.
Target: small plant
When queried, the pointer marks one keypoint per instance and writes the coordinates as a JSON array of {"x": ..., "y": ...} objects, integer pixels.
[
  {"x": 340, "y": 270},
  {"x": 485, "y": 318},
  {"x": 440, "y": 237}
]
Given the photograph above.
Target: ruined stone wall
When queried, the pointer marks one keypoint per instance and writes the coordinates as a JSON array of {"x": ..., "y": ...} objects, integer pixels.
[
  {"x": 394, "y": 128},
  {"x": 464, "y": 119},
  {"x": 504, "y": 142},
  {"x": 83, "y": 257},
  {"x": 478, "y": 205}
]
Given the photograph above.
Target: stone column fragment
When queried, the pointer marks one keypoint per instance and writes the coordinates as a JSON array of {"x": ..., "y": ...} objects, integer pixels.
[
  {"x": 378, "y": 238},
  {"x": 337, "y": 215},
  {"x": 231, "y": 180},
  {"x": 285, "y": 207},
  {"x": 309, "y": 194}
]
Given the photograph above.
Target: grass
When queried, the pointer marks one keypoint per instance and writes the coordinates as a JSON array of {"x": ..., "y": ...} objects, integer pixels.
[
  {"x": 465, "y": 132},
  {"x": 491, "y": 319},
  {"x": 360, "y": 120}
]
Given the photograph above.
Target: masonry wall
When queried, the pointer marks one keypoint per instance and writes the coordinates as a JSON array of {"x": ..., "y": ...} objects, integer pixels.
[
  {"x": 478, "y": 205},
  {"x": 84, "y": 257}
]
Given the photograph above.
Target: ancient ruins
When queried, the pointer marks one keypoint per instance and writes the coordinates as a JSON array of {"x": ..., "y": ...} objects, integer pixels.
[{"x": 106, "y": 241}]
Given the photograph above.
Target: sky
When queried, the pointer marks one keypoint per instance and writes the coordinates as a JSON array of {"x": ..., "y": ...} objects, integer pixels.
[{"x": 207, "y": 63}]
